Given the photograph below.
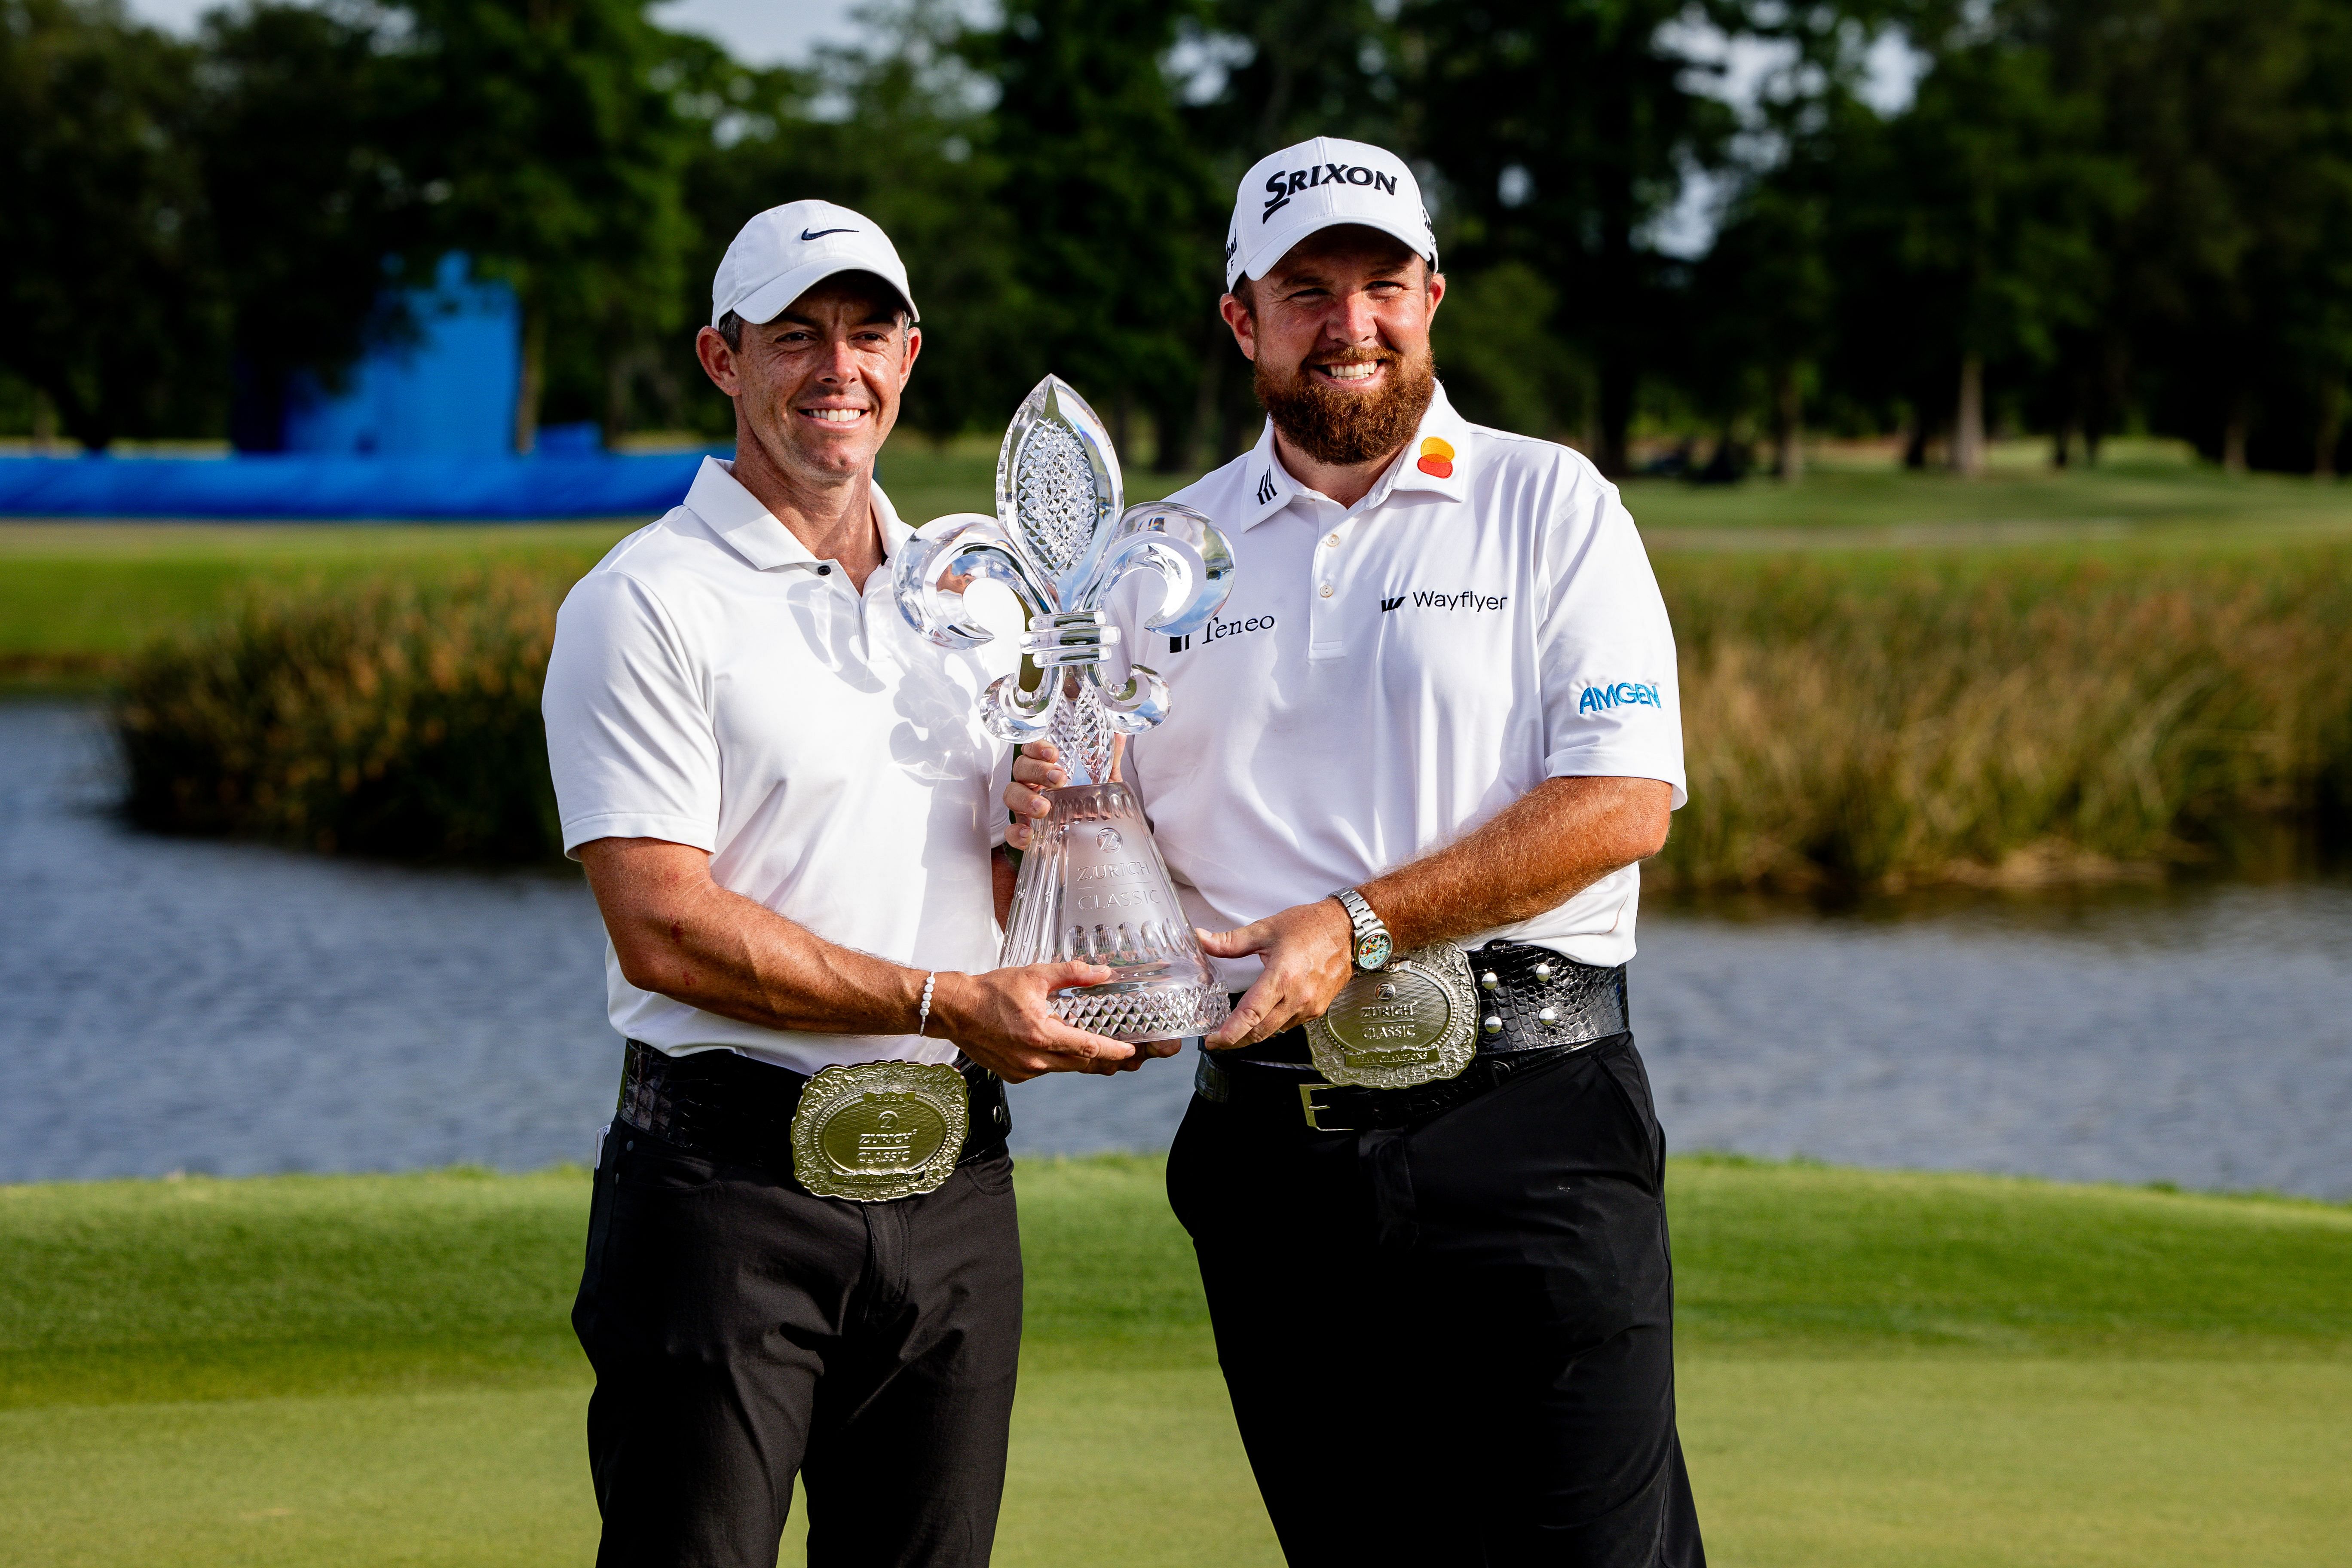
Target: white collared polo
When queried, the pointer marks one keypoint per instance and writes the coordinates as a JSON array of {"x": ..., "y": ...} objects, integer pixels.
[
  {"x": 714, "y": 684},
  {"x": 1385, "y": 677}
]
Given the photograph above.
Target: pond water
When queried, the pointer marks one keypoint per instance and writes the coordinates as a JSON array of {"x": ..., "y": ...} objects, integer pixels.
[{"x": 183, "y": 1004}]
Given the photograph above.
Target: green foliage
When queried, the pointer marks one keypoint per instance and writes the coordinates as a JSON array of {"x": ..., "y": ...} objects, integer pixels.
[
  {"x": 397, "y": 719},
  {"x": 308, "y": 196},
  {"x": 1503, "y": 363},
  {"x": 2121, "y": 209},
  {"x": 1115, "y": 276},
  {"x": 894, "y": 133},
  {"x": 545, "y": 143},
  {"x": 2091, "y": 218},
  {"x": 105, "y": 280},
  {"x": 1860, "y": 724},
  {"x": 1563, "y": 132},
  {"x": 1854, "y": 718}
]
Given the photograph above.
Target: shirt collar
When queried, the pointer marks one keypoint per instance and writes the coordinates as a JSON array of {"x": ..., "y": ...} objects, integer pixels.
[
  {"x": 735, "y": 514},
  {"x": 1434, "y": 461}
]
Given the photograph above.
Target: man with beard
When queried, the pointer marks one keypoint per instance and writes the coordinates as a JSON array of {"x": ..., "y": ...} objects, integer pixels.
[{"x": 1422, "y": 1169}]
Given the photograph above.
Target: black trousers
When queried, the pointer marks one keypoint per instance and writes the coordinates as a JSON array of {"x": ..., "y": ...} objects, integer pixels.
[
  {"x": 1451, "y": 1343},
  {"x": 743, "y": 1331}
]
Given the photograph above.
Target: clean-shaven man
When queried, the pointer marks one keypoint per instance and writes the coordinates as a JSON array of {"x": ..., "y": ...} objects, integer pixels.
[
  {"x": 1407, "y": 776},
  {"x": 801, "y": 1253}
]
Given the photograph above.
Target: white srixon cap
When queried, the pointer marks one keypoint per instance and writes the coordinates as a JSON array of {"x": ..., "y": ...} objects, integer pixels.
[
  {"x": 1314, "y": 186},
  {"x": 786, "y": 251}
]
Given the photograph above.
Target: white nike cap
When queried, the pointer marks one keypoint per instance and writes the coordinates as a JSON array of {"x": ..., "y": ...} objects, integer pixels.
[
  {"x": 1317, "y": 184},
  {"x": 786, "y": 251}
]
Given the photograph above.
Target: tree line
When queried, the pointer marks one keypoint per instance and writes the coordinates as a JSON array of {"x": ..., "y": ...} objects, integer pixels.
[{"x": 1740, "y": 220}]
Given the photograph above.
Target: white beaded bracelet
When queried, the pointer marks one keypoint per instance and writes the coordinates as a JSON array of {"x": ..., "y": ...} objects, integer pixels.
[{"x": 923, "y": 1014}]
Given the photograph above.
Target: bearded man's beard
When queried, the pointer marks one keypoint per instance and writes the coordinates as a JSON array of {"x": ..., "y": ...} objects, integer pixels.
[{"x": 1344, "y": 428}]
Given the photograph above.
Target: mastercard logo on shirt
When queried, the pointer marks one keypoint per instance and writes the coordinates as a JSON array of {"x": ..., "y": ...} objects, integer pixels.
[{"x": 1436, "y": 458}]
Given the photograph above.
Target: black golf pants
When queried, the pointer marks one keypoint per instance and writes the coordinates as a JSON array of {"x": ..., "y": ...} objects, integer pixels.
[
  {"x": 743, "y": 1331},
  {"x": 1453, "y": 1344}
]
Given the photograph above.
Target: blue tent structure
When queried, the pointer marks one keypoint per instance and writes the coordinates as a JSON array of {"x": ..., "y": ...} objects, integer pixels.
[
  {"x": 446, "y": 387},
  {"x": 421, "y": 428},
  {"x": 293, "y": 486}
]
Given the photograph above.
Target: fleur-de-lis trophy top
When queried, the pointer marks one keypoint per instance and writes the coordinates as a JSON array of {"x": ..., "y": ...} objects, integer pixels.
[
  {"x": 1092, "y": 886},
  {"x": 1062, "y": 541}
]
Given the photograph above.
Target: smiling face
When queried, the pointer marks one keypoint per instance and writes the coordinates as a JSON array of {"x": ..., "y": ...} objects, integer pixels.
[
  {"x": 1339, "y": 330},
  {"x": 817, "y": 390}
]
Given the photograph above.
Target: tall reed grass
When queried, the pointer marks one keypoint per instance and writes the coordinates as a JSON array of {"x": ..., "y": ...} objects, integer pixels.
[
  {"x": 1875, "y": 722},
  {"x": 1861, "y": 722},
  {"x": 399, "y": 719}
]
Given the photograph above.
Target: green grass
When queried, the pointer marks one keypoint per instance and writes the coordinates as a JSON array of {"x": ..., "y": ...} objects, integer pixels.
[
  {"x": 77, "y": 598},
  {"x": 1876, "y": 1368},
  {"x": 2141, "y": 490}
]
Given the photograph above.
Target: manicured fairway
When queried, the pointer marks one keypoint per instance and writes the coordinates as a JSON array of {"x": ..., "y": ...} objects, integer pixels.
[{"x": 1876, "y": 1368}]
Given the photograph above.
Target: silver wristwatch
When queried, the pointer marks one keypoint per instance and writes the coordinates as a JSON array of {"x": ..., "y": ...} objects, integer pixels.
[{"x": 1373, "y": 947}]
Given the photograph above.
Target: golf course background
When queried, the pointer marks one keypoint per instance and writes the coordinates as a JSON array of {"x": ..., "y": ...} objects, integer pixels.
[
  {"x": 1875, "y": 1369},
  {"x": 1889, "y": 679}
]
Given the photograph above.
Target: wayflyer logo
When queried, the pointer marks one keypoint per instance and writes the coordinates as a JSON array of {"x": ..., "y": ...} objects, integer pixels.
[
  {"x": 1436, "y": 458},
  {"x": 1467, "y": 599}
]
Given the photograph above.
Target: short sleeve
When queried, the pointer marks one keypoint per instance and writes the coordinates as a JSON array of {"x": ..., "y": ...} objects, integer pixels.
[
  {"x": 629, "y": 736},
  {"x": 1606, "y": 652}
]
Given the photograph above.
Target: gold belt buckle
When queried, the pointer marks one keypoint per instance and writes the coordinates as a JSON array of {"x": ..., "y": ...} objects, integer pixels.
[
  {"x": 879, "y": 1130},
  {"x": 1307, "y": 1093},
  {"x": 1412, "y": 1022}
]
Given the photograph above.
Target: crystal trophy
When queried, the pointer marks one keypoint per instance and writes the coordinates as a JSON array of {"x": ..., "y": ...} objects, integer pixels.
[{"x": 1092, "y": 887}]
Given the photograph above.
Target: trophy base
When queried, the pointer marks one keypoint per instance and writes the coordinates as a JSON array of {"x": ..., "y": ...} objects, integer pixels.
[
  {"x": 1144, "y": 1012},
  {"x": 1093, "y": 890}
]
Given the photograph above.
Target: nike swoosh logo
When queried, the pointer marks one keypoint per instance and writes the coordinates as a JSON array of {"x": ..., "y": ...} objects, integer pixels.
[{"x": 821, "y": 233}]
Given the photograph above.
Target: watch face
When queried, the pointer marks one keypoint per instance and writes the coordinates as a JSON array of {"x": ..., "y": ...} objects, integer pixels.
[{"x": 1373, "y": 952}]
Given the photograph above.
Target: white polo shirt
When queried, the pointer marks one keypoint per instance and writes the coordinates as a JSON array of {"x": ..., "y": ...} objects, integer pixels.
[
  {"x": 1386, "y": 676},
  {"x": 714, "y": 684}
]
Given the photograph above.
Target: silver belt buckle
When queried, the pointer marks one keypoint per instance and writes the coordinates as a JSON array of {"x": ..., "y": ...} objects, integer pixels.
[
  {"x": 880, "y": 1130},
  {"x": 1413, "y": 1023}
]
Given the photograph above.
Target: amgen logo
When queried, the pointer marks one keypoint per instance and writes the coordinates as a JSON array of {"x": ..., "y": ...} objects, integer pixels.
[{"x": 1623, "y": 693}]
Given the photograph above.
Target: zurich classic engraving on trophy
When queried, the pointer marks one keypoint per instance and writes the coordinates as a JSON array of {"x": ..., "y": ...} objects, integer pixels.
[{"x": 1092, "y": 886}]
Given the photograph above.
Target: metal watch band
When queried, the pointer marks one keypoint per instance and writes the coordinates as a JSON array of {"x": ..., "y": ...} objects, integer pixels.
[{"x": 1367, "y": 924}]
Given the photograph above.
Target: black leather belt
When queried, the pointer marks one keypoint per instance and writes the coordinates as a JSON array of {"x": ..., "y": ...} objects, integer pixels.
[
  {"x": 1536, "y": 1005},
  {"x": 731, "y": 1109}
]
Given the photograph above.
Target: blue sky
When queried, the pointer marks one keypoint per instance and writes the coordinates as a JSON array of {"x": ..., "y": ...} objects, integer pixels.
[{"x": 764, "y": 32}]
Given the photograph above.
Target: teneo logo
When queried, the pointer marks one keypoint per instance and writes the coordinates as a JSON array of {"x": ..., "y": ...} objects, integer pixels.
[
  {"x": 1281, "y": 187},
  {"x": 1218, "y": 631},
  {"x": 1622, "y": 694},
  {"x": 1465, "y": 600},
  {"x": 1266, "y": 487}
]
